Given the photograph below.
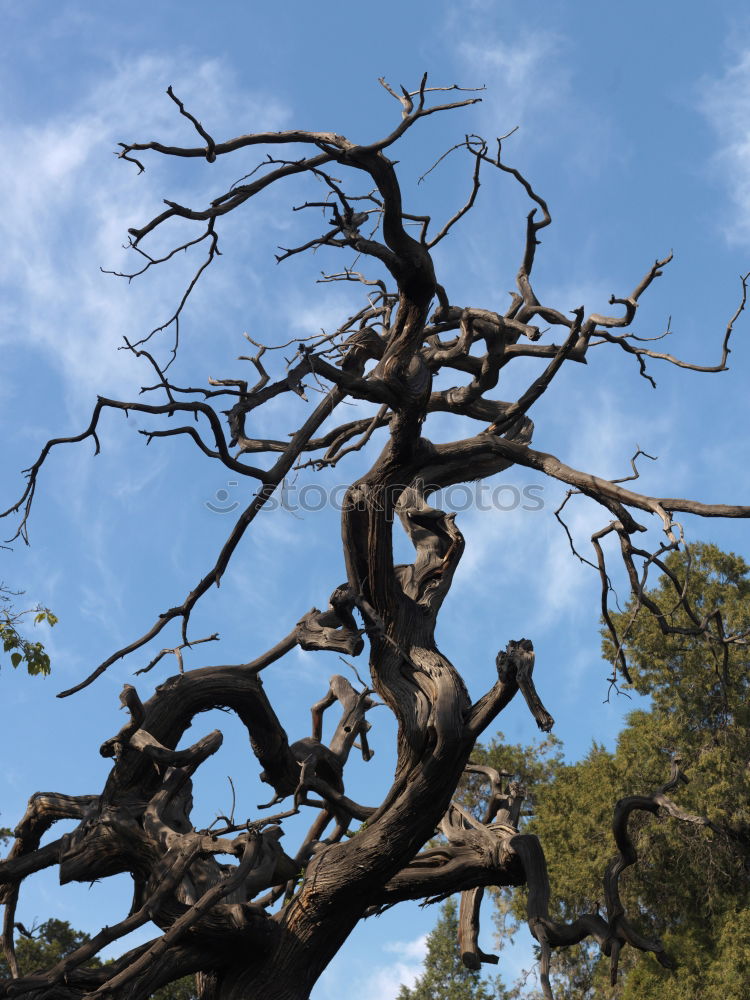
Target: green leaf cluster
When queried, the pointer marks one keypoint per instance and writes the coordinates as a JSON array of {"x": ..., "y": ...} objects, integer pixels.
[{"x": 22, "y": 649}]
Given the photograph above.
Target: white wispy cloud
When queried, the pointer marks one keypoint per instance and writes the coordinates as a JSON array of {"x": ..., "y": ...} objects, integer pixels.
[
  {"x": 66, "y": 204},
  {"x": 380, "y": 981},
  {"x": 512, "y": 71},
  {"x": 414, "y": 950},
  {"x": 725, "y": 102},
  {"x": 529, "y": 79},
  {"x": 386, "y": 981}
]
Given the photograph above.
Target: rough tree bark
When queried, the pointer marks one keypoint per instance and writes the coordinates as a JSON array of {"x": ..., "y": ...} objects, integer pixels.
[{"x": 269, "y": 924}]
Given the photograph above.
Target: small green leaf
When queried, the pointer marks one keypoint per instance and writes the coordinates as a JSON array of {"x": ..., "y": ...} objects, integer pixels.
[{"x": 10, "y": 640}]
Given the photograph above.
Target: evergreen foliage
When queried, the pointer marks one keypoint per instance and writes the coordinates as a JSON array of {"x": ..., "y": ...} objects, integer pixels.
[
  {"x": 690, "y": 886},
  {"x": 45, "y": 945}
]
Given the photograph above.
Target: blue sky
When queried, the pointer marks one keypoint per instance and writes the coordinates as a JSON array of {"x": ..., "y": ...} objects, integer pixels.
[{"x": 634, "y": 123}]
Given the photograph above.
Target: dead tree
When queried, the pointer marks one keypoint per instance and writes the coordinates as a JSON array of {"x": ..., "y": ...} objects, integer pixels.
[{"x": 267, "y": 925}]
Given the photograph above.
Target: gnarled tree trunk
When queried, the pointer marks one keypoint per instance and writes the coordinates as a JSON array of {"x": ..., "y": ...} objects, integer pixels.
[{"x": 267, "y": 925}]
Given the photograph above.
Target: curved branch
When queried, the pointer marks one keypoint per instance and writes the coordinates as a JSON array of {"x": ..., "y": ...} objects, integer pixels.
[
  {"x": 183, "y": 611},
  {"x": 193, "y": 755},
  {"x": 604, "y": 489}
]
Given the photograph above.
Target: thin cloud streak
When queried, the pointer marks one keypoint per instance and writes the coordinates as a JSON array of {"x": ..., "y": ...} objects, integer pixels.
[
  {"x": 63, "y": 206},
  {"x": 725, "y": 103}
]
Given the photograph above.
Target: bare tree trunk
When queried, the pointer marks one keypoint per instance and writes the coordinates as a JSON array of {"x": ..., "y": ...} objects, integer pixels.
[{"x": 267, "y": 925}]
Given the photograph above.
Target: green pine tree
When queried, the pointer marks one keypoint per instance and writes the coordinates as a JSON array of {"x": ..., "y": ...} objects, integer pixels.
[
  {"x": 44, "y": 946},
  {"x": 445, "y": 977},
  {"x": 691, "y": 886}
]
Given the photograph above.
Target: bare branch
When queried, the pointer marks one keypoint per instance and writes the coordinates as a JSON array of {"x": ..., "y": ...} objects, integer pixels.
[
  {"x": 391, "y": 353},
  {"x": 210, "y": 144},
  {"x": 475, "y": 183}
]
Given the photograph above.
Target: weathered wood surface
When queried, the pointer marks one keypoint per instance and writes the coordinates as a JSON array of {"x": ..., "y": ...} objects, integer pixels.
[{"x": 269, "y": 924}]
